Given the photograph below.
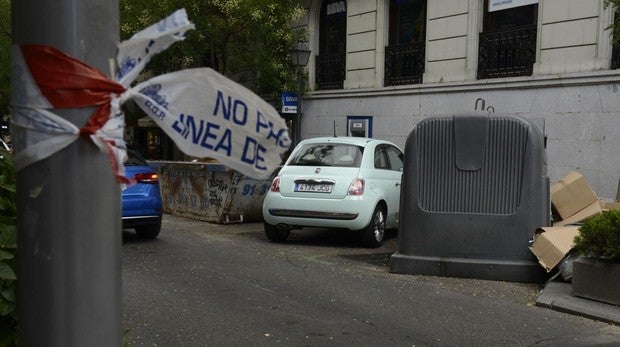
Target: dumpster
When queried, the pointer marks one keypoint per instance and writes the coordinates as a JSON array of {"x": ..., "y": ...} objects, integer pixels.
[
  {"x": 475, "y": 189},
  {"x": 211, "y": 192}
]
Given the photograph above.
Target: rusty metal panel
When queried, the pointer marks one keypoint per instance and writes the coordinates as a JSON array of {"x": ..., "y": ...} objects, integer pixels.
[{"x": 211, "y": 192}]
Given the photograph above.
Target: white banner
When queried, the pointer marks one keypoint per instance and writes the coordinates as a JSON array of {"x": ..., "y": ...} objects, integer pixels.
[
  {"x": 134, "y": 53},
  {"x": 496, "y": 5},
  {"x": 203, "y": 112},
  {"x": 208, "y": 115},
  {"x": 46, "y": 133}
]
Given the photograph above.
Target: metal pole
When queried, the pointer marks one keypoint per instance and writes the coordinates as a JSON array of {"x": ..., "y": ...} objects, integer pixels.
[
  {"x": 298, "y": 120},
  {"x": 69, "y": 231}
]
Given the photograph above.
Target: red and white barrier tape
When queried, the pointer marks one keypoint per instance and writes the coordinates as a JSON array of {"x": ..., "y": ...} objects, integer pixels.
[
  {"x": 202, "y": 111},
  {"x": 46, "y": 78}
]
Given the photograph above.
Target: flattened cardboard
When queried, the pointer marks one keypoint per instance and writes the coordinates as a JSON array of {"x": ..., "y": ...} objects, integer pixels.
[
  {"x": 571, "y": 194},
  {"x": 592, "y": 210},
  {"x": 551, "y": 244},
  {"x": 608, "y": 205}
]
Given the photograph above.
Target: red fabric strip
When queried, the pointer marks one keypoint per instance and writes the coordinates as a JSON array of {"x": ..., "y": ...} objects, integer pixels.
[{"x": 65, "y": 81}]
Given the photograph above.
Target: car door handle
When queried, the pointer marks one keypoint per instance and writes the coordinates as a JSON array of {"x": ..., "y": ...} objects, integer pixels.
[{"x": 397, "y": 184}]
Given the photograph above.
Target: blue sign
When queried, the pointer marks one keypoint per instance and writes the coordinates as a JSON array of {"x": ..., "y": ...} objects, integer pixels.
[{"x": 289, "y": 102}]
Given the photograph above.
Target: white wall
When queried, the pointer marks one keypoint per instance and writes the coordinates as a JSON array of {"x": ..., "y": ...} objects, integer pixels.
[
  {"x": 572, "y": 36},
  {"x": 361, "y": 44},
  {"x": 451, "y": 35},
  {"x": 582, "y": 120}
]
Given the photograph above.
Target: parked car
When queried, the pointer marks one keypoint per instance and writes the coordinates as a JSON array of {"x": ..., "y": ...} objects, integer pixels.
[
  {"x": 142, "y": 206},
  {"x": 336, "y": 182}
]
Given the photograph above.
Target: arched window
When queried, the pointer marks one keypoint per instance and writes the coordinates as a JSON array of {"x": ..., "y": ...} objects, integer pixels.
[
  {"x": 405, "y": 53},
  {"x": 330, "y": 63},
  {"x": 508, "y": 42}
]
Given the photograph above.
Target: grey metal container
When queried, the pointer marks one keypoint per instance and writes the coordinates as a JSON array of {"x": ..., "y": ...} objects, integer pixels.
[{"x": 475, "y": 189}]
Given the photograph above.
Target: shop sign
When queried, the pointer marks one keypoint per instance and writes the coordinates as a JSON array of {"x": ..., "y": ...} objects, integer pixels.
[{"x": 496, "y": 5}]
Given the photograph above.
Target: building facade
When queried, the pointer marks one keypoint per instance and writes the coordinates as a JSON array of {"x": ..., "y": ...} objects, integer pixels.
[{"x": 389, "y": 63}]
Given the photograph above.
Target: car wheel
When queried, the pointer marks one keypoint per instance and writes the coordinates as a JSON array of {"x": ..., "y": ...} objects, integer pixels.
[
  {"x": 374, "y": 233},
  {"x": 276, "y": 234},
  {"x": 148, "y": 231}
]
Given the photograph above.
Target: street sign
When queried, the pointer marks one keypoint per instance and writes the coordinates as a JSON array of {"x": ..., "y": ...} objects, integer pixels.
[{"x": 289, "y": 102}]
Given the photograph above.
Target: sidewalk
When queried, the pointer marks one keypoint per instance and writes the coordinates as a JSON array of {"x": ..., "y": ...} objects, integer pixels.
[{"x": 557, "y": 296}]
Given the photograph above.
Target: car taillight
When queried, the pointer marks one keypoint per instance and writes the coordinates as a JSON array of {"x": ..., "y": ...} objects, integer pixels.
[
  {"x": 275, "y": 185},
  {"x": 147, "y": 178},
  {"x": 356, "y": 187}
]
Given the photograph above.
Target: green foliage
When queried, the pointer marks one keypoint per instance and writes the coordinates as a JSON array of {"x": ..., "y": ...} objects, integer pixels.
[
  {"x": 599, "y": 237},
  {"x": 615, "y": 27},
  {"x": 8, "y": 252},
  {"x": 246, "y": 40}
]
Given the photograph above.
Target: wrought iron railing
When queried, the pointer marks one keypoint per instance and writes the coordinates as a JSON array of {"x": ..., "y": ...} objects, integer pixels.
[
  {"x": 330, "y": 71},
  {"x": 507, "y": 53},
  {"x": 404, "y": 64}
]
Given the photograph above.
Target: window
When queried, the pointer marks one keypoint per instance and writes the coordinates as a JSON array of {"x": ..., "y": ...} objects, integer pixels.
[
  {"x": 615, "y": 50},
  {"x": 381, "y": 161},
  {"x": 407, "y": 21},
  {"x": 388, "y": 157},
  {"x": 513, "y": 18},
  {"x": 330, "y": 63},
  {"x": 396, "y": 158},
  {"x": 508, "y": 42},
  {"x": 405, "y": 54},
  {"x": 328, "y": 154}
]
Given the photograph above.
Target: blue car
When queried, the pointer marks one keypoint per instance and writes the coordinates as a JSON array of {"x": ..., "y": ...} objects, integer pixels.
[{"x": 142, "y": 207}]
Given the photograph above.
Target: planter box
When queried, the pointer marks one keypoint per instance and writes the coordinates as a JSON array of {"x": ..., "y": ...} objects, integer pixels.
[{"x": 596, "y": 280}]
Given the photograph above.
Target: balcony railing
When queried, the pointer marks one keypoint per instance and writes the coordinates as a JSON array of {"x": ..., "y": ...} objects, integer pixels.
[
  {"x": 330, "y": 71},
  {"x": 404, "y": 64},
  {"x": 507, "y": 53}
]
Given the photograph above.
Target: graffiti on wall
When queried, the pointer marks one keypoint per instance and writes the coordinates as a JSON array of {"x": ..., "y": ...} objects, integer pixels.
[{"x": 211, "y": 192}]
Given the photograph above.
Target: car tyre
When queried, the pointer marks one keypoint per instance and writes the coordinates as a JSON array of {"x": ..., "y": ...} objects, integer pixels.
[
  {"x": 374, "y": 233},
  {"x": 276, "y": 234},
  {"x": 148, "y": 231}
]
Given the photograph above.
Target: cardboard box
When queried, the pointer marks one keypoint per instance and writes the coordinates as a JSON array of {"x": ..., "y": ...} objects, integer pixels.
[
  {"x": 608, "y": 205},
  {"x": 592, "y": 210},
  {"x": 552, "y": 244},
  {"x": 571, "y": 194}
]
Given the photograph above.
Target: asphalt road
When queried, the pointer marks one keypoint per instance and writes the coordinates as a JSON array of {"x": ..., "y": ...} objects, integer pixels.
[{"x": 202, "y": 284}]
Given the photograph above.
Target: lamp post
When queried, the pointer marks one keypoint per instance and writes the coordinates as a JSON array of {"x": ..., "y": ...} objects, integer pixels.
[
  {"x": 69, "y": 253},
  {"x": 300, "y": 55}
]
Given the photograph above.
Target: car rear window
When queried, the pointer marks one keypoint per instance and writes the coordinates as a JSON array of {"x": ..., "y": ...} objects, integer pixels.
[{"x": 328, "y": 154}]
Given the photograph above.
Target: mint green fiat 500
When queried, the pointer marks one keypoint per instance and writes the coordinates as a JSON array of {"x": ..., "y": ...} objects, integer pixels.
[{"x": 337, "y": 182}]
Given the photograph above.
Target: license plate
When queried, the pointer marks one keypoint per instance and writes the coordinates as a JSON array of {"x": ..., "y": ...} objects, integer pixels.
[{"x": 314, "y": 188}]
